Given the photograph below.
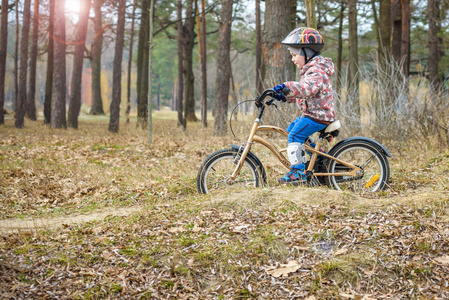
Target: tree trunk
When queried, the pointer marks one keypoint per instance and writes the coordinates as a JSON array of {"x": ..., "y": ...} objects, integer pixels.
[
  {"x": 180, "y": 93},
  {"x": 3, "y": 53},
  {"x": 142, "y": 73},
  {"x": 340, "y": 46},
  {"x": 189, "y": 104},
  {"x": 259, "y": 79},
  {"x": 158, "y": 94},
  {"x": 276, "y": 59},
  {"x": 442, "y": 11},
  {"x": 353, "y": 76},
  {"x": 311, "y": 15},
  {"x": 50, "y": 57},
  {"x": 58, "y": 106},
  {"x": 233, "y": 92},
  {"x": 353, "y": 45},
  {"x": 22, "y": 99},
  {"x": 173, "y": 97},
  {"x": 150, "y": 54},
  {"x": 114, "y": 119},
  {"x": 434, "y": 58},
  {"x": 203, "y": 66},
  {"x": 293, "y": 11},
  {"x": 224, "y": 70},
  {"x": 383, "y": 25},
  {"x": 77, "y": 72},
  {"x": 383, "y": 47},
  {"x": 31, "y": 100},
  {"x": 405, "y": 41},
  {"x": 97, "y": 46},
  {"x": 16, "y": 55},
  {"x": 396, "y": 24},
  {"x": 130, "y": 61}
]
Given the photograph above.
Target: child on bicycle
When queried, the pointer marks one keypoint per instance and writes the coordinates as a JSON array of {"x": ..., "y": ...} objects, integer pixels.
[{"x": 312, "y": 94}]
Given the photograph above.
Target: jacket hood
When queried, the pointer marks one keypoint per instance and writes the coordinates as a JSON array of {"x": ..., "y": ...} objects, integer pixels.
[{"x": 320, "y": 62}]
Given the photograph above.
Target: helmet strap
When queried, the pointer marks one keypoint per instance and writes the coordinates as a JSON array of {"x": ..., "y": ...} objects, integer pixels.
[{"x": 305, "y": 55}]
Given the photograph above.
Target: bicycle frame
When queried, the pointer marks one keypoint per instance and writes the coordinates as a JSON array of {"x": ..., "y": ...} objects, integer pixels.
[{"x": 355, "y": 171}]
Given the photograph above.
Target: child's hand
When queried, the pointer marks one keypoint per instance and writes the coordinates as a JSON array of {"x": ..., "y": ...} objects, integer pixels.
[
  {"x": 278, "y": 89},
  {"x": 279, "y": 96}
]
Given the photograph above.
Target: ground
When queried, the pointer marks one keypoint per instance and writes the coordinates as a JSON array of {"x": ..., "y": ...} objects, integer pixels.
[{"x": 91, "y": 214}]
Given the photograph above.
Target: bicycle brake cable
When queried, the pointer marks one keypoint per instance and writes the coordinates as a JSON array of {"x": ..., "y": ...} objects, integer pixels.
[{"x": 232, "y": 113}]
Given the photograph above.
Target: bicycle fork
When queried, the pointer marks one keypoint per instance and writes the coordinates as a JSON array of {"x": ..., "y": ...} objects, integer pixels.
[{"x": 246, "y": 149}]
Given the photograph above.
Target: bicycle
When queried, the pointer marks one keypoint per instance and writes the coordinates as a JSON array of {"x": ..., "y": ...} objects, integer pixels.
[{"x": 358, "y": 164}]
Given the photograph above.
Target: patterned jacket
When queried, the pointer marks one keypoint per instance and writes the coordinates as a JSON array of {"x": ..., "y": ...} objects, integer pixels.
[{"x": 313, "y": 93}]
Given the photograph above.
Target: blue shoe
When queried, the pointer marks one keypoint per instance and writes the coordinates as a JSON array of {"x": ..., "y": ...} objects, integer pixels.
[{"x": 294, "y": 176}]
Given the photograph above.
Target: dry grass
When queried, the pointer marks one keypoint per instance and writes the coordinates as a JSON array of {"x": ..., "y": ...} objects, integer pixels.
[
  {"x": 395, "y": 110},
  {"x": 189, "y": 246},
  {"x": 46, "y": 170}
]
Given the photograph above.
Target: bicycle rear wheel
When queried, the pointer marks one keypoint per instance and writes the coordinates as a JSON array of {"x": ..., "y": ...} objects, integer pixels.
[
  {"x": 373, "y": 162},
  {"x": 215, "y": 172}
]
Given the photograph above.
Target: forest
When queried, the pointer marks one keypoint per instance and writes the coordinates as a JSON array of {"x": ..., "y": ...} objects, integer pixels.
[
  {"x": 112, "y": 109},
  {"x": 99, "y": 64}
]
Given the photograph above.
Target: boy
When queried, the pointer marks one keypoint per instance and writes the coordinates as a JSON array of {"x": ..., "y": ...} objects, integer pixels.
[{"x": 313, "y": 95}]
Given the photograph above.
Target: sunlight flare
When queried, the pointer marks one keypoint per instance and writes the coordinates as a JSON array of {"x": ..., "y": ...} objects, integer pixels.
[{"x": 72, "y": 6}]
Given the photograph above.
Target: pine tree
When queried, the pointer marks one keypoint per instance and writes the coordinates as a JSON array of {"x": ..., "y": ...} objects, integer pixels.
[
  {"x": 22, "y": 96},
  {"x": 58, "y": 103},
  {"x": 31, "y": 100},
  {"x": 97, "y": 47},
  {"x": 117, "y": 72},
  {"x": 78, "y": 63},
  {"x": 224, "y": 68},
  {"x": 50, "y": 57},
  {"x": 3, "y": 45}
]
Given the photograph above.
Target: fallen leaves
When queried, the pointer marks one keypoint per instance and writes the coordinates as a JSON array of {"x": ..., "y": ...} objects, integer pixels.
[
  {"x": 266, "y": 245},
  {"x": 284, "y": 269},
  {"x": 356, "y": 296},
  {"x": 444, "y": 260},
  {"x": 241, "y": 228},
  {"x": 194, "y": 253},
  {"x": 341, "y": 251},
  {"x": 43, "y": 173},
  {"x": 177, "y": 230},
  {"x": 107, "y": 255}
]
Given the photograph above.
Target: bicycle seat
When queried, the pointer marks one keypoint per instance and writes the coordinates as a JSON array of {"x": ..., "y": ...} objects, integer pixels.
[{"x": 332, "y": 126}]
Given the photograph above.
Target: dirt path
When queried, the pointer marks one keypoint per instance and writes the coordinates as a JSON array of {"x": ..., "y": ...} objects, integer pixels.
[
  {"x": 271, "y": 197},
  {"x": 20, "y": 225}
]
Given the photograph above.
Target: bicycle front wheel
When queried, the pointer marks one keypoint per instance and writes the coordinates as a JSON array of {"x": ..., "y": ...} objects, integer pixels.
[
  {"x": 373, "y": 162},
  {"x": 215, "y": 172}
]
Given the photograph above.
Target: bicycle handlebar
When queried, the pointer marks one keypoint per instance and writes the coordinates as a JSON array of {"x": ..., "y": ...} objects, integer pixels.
[{"x": 271, "y": 93}]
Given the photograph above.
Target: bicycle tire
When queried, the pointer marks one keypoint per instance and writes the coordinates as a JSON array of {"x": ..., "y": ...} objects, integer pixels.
[
  {"x": 216, "y": 170},
  {"x": 369, "y": 157}
]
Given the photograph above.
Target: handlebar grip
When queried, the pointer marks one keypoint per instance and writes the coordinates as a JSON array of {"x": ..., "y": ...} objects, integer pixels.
[{"x": 265, "y": 93}]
